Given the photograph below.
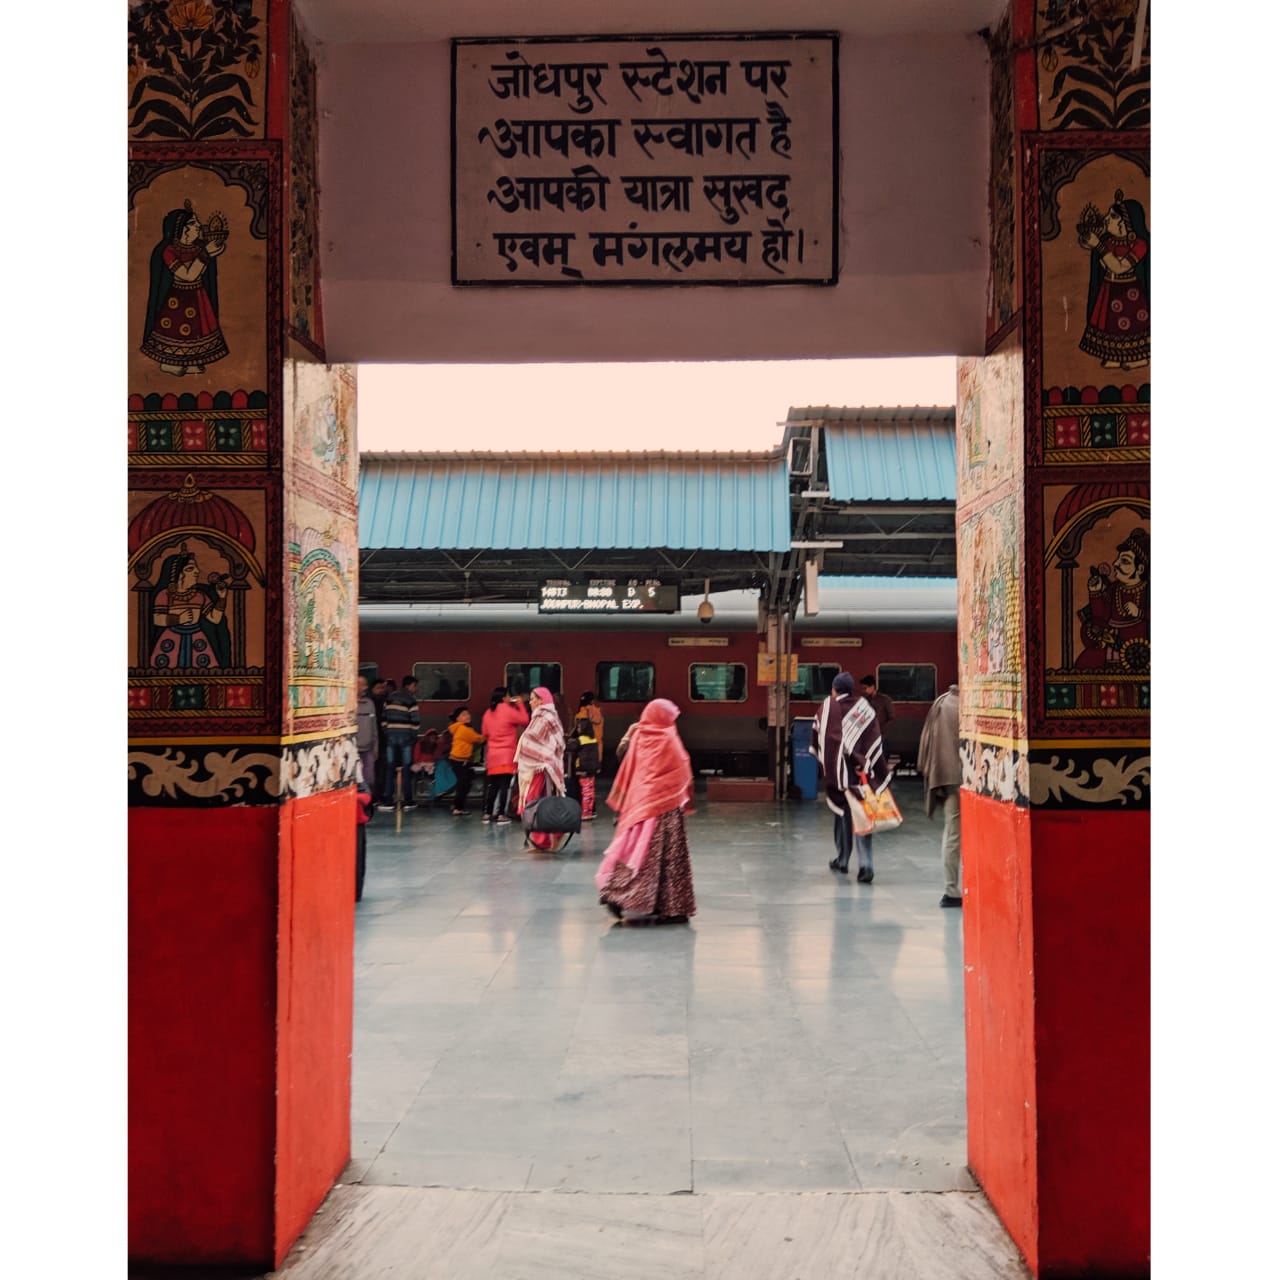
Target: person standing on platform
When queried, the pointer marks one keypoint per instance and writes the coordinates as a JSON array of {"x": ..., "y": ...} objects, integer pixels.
[
  {"x": 381, "y": 691},
  {"x": 464, "y": 742},
  {"x": 827, "y": 741},
  {"x": 589, "y": 734},
  {"x": 366, "y": 730},
  {"x": 401, "y": 720},
  {"x": 882, "y": 703},
  {"x": 501, "y": 725},
  {"x": 539, "y": 761},
  {"x": 646, "y": 872},
  {"x": 942, "y": 770}
]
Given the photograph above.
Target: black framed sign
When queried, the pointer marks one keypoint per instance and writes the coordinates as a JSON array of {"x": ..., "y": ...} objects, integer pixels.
[{"x": 646, "y": 160}]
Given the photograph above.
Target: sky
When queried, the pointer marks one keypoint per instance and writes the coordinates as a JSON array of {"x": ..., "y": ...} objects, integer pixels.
[{"x": 719, "y": 405}]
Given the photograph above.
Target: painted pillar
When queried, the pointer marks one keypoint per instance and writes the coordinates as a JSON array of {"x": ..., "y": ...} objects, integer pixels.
[
  {"x": 1054, "y": 533},
  {"x": 241, "y": 579}
]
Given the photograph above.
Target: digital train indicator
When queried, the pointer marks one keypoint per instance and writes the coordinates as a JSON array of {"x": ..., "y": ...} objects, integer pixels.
[{"x": 608, "y": 595}]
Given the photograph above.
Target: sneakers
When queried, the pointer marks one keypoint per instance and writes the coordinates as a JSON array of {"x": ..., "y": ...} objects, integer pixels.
[
  {"x": 588, "y": 817},
  {"x": 948, "y": 901},
  {"x": 460, "y": 813},
  {"x": 485, "y": 818},
  {"x": 502, "y": 821}
]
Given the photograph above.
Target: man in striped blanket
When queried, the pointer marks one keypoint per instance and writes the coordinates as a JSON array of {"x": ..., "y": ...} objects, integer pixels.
[{"x": 847, "y": 744}]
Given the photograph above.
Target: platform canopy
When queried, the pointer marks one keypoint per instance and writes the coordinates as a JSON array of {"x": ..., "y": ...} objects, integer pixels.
[
  {"x": 879, "y": 483},
  {"x": 488, "y": 526},
  {"x": 860, "y": 492}
]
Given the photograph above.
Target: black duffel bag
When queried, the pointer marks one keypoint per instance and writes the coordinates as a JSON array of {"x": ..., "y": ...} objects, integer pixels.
[{"x": 554, "y": 815}]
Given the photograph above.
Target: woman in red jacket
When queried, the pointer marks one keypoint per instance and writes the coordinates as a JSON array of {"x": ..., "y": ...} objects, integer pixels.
[{"x": 501, "y": 725}]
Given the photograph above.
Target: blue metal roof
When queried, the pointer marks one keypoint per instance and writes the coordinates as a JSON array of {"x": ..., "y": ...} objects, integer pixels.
[
  {"x": 894, "y": 455},
  {"x": 725, "y": 502}
]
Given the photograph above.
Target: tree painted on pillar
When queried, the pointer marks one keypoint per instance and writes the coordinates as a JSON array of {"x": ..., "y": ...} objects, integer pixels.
[
  {"x": 186, "y": 57},
  {"x": 1088, "y": 52}
]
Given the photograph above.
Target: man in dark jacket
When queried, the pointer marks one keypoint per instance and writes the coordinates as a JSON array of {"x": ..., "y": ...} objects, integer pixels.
[
  {"x": 381, "y": 691},
  {"x": 401, "y": 721},
  {"x": 882, "y": 703}
]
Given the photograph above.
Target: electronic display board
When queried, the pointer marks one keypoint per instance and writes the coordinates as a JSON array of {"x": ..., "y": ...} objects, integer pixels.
[{"x": 608, "y": 595}]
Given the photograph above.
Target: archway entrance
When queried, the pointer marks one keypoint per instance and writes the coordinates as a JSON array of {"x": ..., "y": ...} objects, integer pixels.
[{"x": 240, "y": 752}]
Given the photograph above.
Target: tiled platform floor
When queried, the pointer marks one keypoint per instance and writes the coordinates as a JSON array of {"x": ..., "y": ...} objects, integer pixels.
[{"x": 753, "y": 1094}]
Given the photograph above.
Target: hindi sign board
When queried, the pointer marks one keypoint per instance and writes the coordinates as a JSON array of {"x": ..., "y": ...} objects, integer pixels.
[
  {"x": 608, "y": 595},
  {"x": 683, "y": 159}
]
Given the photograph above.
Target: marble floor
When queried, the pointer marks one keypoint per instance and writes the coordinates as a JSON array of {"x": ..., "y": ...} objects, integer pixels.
[{"x": 775, "y": 1089}]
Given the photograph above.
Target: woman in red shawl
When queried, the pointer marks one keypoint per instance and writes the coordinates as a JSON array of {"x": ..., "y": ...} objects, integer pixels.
[
  {"x": 646, "y": 870},
  {"x": 539, "y": 761}
]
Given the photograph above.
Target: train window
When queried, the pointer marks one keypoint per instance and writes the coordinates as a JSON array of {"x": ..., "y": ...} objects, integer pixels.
[
  {"x": 907, "y": 681},
  {"x": 523, "y": 676},
  {"x": 717, "y": 682},
  {"x": 369, "y": 671},
  {"x": 624, "y": 681},
  {"x": 443, "y": 681},
  {"x": 814, "y": 681}
]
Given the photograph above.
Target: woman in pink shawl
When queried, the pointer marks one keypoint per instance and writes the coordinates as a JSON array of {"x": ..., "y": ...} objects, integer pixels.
[
  {"x": 539, "y": 761},
  {"x": 646, "y": 869}
]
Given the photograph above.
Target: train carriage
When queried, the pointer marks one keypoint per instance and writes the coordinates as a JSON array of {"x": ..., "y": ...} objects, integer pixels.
[{"x": 902, "y": 629}]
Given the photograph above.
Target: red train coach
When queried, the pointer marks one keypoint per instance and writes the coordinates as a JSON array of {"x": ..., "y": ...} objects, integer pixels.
[{"x": 902, "y": 629}]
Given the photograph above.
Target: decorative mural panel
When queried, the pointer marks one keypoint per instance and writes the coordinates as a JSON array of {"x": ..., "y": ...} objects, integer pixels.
[
  {"x": 204, "y": 276},
  {"x": 1087, "y": 75},
  {"x": 1092, "y": 321},
  {"x": 1088, "y": 326},
  {"x": 322, "y": 545},
  {"x": 198, "y": 580},
  {"x": 991, "y": 424},
  {"x": 194, "y": 68},
  {"x": 303, "y": 312},
  {"x": 321, "y": 403},
  {"x": 990, "y": 419},
  {"x": 991, "y": 639}
]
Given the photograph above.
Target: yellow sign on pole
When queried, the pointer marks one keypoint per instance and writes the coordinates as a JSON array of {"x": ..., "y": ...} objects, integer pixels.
[{"x": 766, "y": 671}]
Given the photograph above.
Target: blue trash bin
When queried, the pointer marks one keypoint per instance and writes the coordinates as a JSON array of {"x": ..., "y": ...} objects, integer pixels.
[{"x": 803, "y": 766}]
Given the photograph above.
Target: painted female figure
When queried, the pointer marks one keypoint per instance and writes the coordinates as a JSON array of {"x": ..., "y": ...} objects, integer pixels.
[
  {"x": 190, "y": 616},
  {"x": 1118, "y": 327},
  {"x": 182, "y": 333}
]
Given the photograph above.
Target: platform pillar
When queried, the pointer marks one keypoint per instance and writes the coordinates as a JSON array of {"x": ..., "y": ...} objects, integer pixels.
[
  {"x": 242, "y": 590},
  {"x": 1054, "y": 570}
]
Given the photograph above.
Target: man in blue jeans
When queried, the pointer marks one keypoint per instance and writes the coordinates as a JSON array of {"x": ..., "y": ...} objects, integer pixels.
[{"x": 401, "y": 721}]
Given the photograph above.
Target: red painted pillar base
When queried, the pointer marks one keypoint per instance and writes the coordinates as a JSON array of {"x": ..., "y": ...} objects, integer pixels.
[
  {"x": 240, "y": 988},
  {"x": 1057, "y": 998}
]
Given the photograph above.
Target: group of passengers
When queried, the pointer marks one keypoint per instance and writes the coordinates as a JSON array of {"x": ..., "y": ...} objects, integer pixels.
[{"x": 645, "y": 875}]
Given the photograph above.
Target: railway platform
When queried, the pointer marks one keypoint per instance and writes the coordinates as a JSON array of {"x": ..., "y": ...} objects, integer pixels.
[{"x": 774, "y": 1090}]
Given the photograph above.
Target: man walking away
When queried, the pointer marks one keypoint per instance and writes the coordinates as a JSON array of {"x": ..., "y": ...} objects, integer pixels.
[
  {"x": 942, "y": 770},
  {"x": 401, "y": 721},
  {"x": 826, "y": 746}
]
